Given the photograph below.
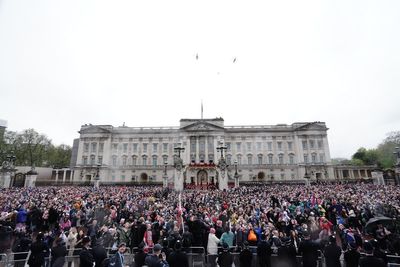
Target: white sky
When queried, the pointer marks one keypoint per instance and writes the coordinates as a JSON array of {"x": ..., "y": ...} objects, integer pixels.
[{"x": 67, "y": 63}]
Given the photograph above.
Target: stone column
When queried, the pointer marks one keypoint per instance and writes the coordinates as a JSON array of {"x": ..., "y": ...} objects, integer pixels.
[
  {"x": 5, "y": 179},
  {"x": 64, "y": 175},
  {"x": 30, "y": 178},
  {"x": 56, "y": 176}
]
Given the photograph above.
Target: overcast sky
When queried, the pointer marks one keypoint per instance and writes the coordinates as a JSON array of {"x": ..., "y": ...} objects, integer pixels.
[{"x": 67, "y": 63}]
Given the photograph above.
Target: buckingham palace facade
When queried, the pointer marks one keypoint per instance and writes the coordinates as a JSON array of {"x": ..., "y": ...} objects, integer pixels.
[{"x": 257, "y": 153}]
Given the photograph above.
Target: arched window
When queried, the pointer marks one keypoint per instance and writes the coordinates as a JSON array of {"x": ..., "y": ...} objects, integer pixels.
[
  {"x": 291, "y": 158},
  {"x": 314, "y": 158},
  {"x": 114, "y": 161},
  {"x": 165, "y": 159},
  {"x": 124, "y": 160},
  {"x": 154, "y": 161},
  {"x": 260, "y": 159},
  {"x": 280, "y": 158},
  {"x": 144, "y": 160},
  {"x": 134, "y": 160},
  {"x": 270, "y": 159},
  {"x": 249, "y": 159},
  {"x": 239, "y": 159}
]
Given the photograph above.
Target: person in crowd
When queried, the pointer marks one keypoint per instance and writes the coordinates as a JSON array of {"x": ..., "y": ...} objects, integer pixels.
[
  {"x": 246, "y": 256},
  {"x": 118, "y": 259},
  {"x": 225, "y": 258},
  {"x": 309, "y": 251},
  {"x": 227, "y": 237},
  {"x": 140, "y": 255},
  {"x": 99, "y": 253},
  {"x": 58, "y": 253},
  {"x": 38, "y": 251},
  {"x": 86, "y": 256},
  {"x": 352, "y": 256},
  {"x": 157, "y": 258},
  {"x": 332, "y": 253},
  {"x": 178, "y": 258},
  {"x": 287, "y": 253},
  {"x": 369, "y": 260},
  {"x": 264, "y": 252}
]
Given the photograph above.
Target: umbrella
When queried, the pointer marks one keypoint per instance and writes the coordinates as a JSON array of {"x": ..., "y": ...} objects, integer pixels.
[{"x": 372, "y": 224}]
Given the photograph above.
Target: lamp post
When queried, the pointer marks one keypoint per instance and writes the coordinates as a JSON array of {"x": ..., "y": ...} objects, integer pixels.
[
  {"x": 97, "y": 177},
  {"x": 397, "y": 166},
  {"x": 222, "y": 165},
  {"x": 236, "y": 175},
  {"x": 178, "y": 165},
  {"x": 7, "y": 169},
  {"x": 307, "y": 177},
  {"x": 165, "y": 176}
]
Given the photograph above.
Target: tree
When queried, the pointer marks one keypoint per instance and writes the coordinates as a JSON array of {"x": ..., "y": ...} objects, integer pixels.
[
  {"x": 59, "y": 156},
  {"x": 29, "y": 147}
]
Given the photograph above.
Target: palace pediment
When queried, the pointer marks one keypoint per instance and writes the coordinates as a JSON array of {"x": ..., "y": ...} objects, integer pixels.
[
  {"x": 202, "y": 126},
  {"x": 95, "y": 129},
  {"x": 316, "y": 126}
]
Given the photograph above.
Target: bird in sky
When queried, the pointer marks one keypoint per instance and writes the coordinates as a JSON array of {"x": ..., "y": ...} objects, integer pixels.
[{"x": 234, "y": 60}]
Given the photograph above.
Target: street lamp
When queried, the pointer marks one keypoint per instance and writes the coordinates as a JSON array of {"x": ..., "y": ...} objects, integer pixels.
[
  {"x": 97, "y": 177},
  {"x": 236, "y": 175},
  {"x": 165, "y": 175},
  {"x": 178, "y": 165}
]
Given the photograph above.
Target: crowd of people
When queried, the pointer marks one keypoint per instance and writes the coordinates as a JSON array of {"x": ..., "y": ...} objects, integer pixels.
[{"x": 160, "y": 225}]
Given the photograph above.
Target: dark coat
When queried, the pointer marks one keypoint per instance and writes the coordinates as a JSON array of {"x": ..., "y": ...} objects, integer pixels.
[
  {"x": 369, "y": 261},
  {"x": 287, "y": 256},
  {"x": 99, "y": 254},
  {"x": 57, "y": 252},
  {"x": 153, "y": 261},
  {"x": 332, "y": 255},
  {"x": 264, "y": 252},
  {"x": 352, "y": 257},
  {"x": 225, "y": 259},
  {"x": 38, "y": 251},
  {"x": 245, "y": 257},
  {"x": 309, "y": 250},
  {"x": 86, "y": 258},
  {"x": 178, "y": 259},
  {"x": 140, "y": 257}
]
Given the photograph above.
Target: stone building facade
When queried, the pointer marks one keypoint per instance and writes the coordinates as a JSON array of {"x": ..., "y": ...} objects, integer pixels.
[{"x": 262, "y": 153}]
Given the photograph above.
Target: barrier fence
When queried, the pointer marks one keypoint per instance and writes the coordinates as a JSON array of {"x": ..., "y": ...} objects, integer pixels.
[{"x": 197, "y": 257}]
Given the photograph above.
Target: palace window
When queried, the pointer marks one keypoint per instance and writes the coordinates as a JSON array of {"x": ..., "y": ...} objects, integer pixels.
[
  {"x": 279, "y": 146},
  {"x": 290, "y": 145},
  {"x": 100, "y": 160},
  {"x": 101, "y": 147},
  {"x": 269, "y": 146},
  {"x": 238, "y": 146},
  {"x": 86, "y": 147},
  {"x": 125, "y": 148},
  {"x": 154, "y": 161},
  {"x": 229, "y": 159},
  {"x": 165, "y": 159},
  {"x": 124, "y": 160},
  {"x": 305, "y": 145},
  {"x": 311, "y": 144},
  {"x": 260, "y": 159},
  {"x": 270, "y": 159},
  {"x": 92, "y": 159},
  {"x": 155, "y": 148},
  {"x": 259, "y": 146},
  {"x": 144, "y": 148},
  {"x": 322, "y": 157},
  {"x": 280, "y": 158},
  {"x": 115, "y": 147},
  {"x": 249, "y": 159},
  {"x": 239, "y": 159},
  {"x": 228, "y": 146},
  {"x": 165, "y": 147},
  {"x": 135, "y": 148},
  {"x": 144, "y": 160},
  {"x": 94, "y": 147},
  {"x": 114, "y": 161},
  {"x": 248, "y": 146},
  {"x": 305, "y": 158},
  {"x": 84, "y": 160},
  {"x": 291, "y": 159},
  {"x": 314, "y": 158},
  {"x": 134, "y": 160}
]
